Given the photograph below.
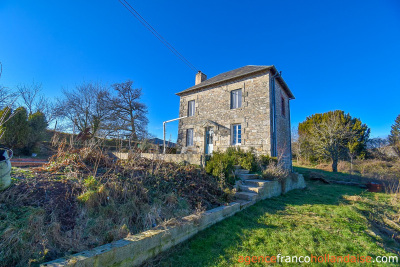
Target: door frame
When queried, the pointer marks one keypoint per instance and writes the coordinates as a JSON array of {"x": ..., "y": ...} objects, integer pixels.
[{"x": 209, "y": 132}]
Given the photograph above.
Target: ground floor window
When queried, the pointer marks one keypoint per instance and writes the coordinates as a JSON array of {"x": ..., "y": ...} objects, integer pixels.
[
  {"x": 189, "y": 137},
  {"x": 236, "y": 133}
]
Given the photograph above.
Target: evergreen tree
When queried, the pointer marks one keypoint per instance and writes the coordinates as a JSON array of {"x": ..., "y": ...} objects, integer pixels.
[
  {"x": 16, "y": 130},
  {"x": 38, "y": 124},
  {"x": 333, "y": 135},
  {"x": 394, "y": 137}
]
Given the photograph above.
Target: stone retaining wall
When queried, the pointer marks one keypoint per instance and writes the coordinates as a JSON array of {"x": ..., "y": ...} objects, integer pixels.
[
  {"x": 134, "y": 250},
  {"x": 177, "y": 158}
]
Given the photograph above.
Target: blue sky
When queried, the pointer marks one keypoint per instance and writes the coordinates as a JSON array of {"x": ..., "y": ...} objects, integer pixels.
[{"x": 333, "y": 54}]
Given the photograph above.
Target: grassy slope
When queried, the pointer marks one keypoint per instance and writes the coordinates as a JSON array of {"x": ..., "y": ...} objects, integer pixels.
[{"x": 320, "y": 219}]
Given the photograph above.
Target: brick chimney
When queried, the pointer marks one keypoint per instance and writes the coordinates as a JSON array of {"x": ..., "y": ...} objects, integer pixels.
[{"x": 200, "y": 77}]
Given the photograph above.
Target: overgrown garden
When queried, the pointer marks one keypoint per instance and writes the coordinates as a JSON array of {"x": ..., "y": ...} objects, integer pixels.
[{"x": 83, "y": 198}]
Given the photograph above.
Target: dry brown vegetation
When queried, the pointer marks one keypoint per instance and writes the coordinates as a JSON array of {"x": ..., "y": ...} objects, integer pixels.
[{"x": 84, "y": 198}]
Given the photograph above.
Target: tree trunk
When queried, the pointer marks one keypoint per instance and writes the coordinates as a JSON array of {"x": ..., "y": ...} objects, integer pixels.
[
  {"x": 334, "y": 164},
  {"x": 351, "y": 164}
]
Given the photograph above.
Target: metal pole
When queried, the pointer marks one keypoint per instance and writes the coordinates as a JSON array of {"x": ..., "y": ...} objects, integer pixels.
[
  {"x": 164, "y": 137},
  {"x": 164, "y": 127}
]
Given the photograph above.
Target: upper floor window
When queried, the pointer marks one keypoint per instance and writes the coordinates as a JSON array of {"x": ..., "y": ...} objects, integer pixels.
[
  {"x": 236, "y": 98},
  {"x": 283, "y": 106},
  {"x": 189, "y": 137},
  {"x": 236, "y": 133},
  {"x": 191, "y": 108}
]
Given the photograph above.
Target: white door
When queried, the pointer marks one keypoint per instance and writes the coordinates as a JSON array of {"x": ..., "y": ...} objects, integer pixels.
[{"x": 209, "y": 140}]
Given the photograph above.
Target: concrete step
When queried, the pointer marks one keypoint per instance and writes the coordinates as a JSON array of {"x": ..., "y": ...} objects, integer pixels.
[
  {"x": 246, "y": 196},
  {"x": 251, "y": 189},
  {"x": 237, "y": 167},
  {"x": 246, "y": 176},
  {"x": 256, "y": 182},
  {"x": 241, "y": 171},
  {"x": 244, "y": 203}
]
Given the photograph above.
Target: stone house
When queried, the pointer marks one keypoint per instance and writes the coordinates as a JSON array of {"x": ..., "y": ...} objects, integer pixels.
[{"x": 247, "y": 107}]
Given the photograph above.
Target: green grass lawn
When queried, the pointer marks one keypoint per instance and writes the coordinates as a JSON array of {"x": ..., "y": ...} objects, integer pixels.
[{"x": 318, "y": 220}]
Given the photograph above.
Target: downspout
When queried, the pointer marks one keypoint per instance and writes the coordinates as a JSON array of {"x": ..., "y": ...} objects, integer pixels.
[
  {"x": 273, "y": 117},
  {"x": 290, "y": 136}
]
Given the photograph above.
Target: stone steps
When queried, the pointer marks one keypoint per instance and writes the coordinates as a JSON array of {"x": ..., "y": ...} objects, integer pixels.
[
  {"x": 247, "y": 176},
  {"x": 256, "y": 182},
  {"x": 248, "y": 193},
  {"x": 241, "y": 171},
  {"x": 251, "y": 189},
  {"x": 246, "y": 196},
  {"x": 237, "y": 167}
]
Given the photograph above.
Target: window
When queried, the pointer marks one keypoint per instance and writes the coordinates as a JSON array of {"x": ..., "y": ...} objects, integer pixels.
[
  {"x": 283, "y": 106},
  {"x": 191, "y": 108},
  {"x": 189, "y": 137},
  {"x": 236, "y": 134},
  {"x": 236, "y": 99}
]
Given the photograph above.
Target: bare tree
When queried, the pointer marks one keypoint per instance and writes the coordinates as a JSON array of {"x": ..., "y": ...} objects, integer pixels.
[
  {"x": 48, "y": 108},
  {"x": 330, "y": 138},
  {"x": 85, "y": 107},
  {"x": 30, "y": 95},
  {"x": 5, "y": 115},
  {"x": 379, "y": 147},
  {"x": 7, "y": 97},
  {"x": 34, "y": 100},
  {"x": 378, "y": 143},
  {"x": 7, "y": 100},
  {"x": 296, "y": 145},
  {"x": 128, "y": 111}
]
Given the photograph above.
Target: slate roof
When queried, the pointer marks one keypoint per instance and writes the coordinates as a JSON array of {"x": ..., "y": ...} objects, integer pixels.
[{"x": 237, "y": 73}]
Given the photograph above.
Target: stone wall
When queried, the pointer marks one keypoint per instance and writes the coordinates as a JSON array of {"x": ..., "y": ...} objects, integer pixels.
[
  {"x": 283, "y": 131},
  {"x": 135, "y": 249},
  {"x": 197, "y": 159},
  {"x": 213, "y": 110}
]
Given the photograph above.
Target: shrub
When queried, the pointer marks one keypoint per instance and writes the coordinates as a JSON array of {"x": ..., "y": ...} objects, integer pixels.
[
  {"x": 265, "y": 160},
  {"x": 274, "y": 172},
  {"x": 221, "y": 165},
  {"x": 16, "y": 130},
  {"x": 91, "y": 183},
  {"x": 38, "y": 124},
  {"x": 246, "y": 160}
]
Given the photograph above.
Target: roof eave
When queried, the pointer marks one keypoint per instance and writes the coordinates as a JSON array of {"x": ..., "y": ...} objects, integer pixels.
[{"x": 229, "y": 79}]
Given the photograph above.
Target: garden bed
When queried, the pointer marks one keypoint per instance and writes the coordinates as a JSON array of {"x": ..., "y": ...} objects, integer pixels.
[{"x": 83, "y": 199}]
